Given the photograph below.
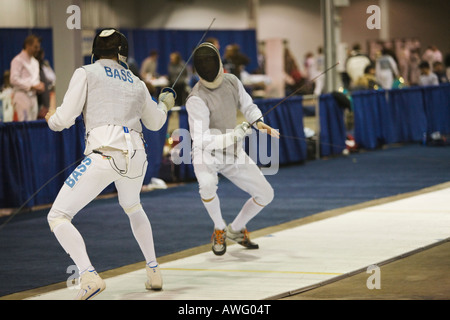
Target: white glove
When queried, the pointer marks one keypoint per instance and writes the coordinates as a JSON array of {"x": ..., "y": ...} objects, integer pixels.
[
  {"x": 223, "y": 141},
  {"x": 242, "y": 130},
  {"x": 166, "y": 100}
]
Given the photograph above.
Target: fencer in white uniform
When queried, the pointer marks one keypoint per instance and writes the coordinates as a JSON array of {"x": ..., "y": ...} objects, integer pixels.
[
  {"x": 212, "y": 109},
  {"x": 113, "y": 102}
]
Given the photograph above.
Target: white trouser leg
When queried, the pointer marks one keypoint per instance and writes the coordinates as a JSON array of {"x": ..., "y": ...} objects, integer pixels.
[
  {"x": 207, "y": 178},
  {"x": 83, "y": 185},
  {"x": 248, "y": 177},
  {"x": 129, "y": 199}
]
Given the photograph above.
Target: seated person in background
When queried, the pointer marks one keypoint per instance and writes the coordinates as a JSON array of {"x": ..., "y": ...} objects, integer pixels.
[
  {"x": 427, "y": 78},
  {"x": 368, "y": 80},
  {"x": 439, "y": 70}
]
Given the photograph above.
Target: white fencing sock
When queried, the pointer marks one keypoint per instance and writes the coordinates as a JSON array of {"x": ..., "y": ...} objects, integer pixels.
[
  {"x": 72, "y": 242},
  {"x": 248, "y": 211},
  {"x": 142, "y": 231},
  {"x": 213, "y": 208}
]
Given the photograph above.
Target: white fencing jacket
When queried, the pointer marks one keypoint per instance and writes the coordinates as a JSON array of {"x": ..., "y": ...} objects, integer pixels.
[
  {"x": 214, "y": 111},
  {"x": 111, "y": 98}
]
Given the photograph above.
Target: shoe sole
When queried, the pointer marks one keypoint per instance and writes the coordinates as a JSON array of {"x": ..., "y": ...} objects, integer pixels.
[
  {"x": 154, "y": 288},
  {"x": 220, "y": 253},
  {"x": 100, "y": 290},
  {"x": 251, "y": 246},
  {"x": 96, "y": 293}
]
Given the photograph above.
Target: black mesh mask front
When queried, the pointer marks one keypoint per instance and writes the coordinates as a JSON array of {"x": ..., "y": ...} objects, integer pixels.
[{"x": 207, "y": 62}]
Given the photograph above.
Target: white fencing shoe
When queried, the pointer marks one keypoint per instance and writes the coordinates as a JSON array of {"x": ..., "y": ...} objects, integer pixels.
[
  {"x": 219, "y": 246},
  {"x": 242, "y": 237},
  {"x": 91, "y": 285},
  {"x": 154, "y": 278}
]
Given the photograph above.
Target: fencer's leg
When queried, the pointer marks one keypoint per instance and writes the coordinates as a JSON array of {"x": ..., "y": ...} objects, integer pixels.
[
  {"x": 249, "y": 178},
  {"x": 212, "y": 206},
  {"x": 70, "y": 239},
  {"x": 72, "y": 197},
  {"x": 207, "y": 179},
  {"x": 250, "y": 209},
  {"x": 142, "y": 231},
  {"x": 129, "y": 199}
]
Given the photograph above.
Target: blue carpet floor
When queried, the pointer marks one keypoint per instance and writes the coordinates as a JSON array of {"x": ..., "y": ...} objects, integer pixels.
[{"x": 30, "y": 256}]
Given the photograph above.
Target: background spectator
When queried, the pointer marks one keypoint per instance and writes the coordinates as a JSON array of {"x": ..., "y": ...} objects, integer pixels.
[
  {"x": 6, "y": 95},
  {"x": 48, "y": 77},
  {"x": 439, "y": 70},
  {"x": 427, "y": 78},
  {"x": 432, "y": 54},
  {"x": 25, "y": 80},
  {"x": 386, "y": 69},
  {"x": 234, "y": 61},
  {"x": 175, "y": 67},
  {"x": 149, "y": 68},
  {"x": 356, "y": 64},
  {"x": 368, "y": 80},
  {"x": 414, "y": 70}
]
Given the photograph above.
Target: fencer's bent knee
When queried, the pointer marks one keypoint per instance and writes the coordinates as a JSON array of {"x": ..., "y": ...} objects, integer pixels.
[
  {"x": 133, "y": 209},
  {"x": 56, "y": 218},
  {"x": 265, "y": 196},
  {"x": 208, "y": 187}
]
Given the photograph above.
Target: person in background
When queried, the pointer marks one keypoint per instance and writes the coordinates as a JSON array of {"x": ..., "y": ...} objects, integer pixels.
[
  {"x": 368, "y": 80},
  {"x": 439, "y": 70},
  {"x": 176, "y": 70},
  {"x": 6, "y": 96},
  {"x": 25, "y": 80},
  {"x": 386, "y": 69},
  {"x": 234, "y": 61},
  {"x": 48, "y": 77},
  {"x": 414, "y": 70},
  {"x": 149, "y": 68},
  {"x": 427, "y": 77},
  {"x": 356, "y": 63},
  {"x": 432, "y": 54},
  {"x": 214, "y": 41}
]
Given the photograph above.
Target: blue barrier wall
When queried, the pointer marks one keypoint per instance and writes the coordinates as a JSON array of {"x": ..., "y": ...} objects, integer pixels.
[
  {"x": 31, "y": 154},
  {"x": 400, "y": 116}
]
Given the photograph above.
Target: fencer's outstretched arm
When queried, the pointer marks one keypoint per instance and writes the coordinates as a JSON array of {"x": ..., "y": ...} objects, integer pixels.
[
  {"x": 252, "y": 113},
  {"x": 154, "y": 114},
  {"x": 73, "y": 103},
  {"x": 248, "y": 108}
]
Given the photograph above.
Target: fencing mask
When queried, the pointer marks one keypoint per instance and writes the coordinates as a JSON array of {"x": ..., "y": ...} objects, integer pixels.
[
  {"x": 110, "y": 42},
  {"x": 208, "y": 65}
]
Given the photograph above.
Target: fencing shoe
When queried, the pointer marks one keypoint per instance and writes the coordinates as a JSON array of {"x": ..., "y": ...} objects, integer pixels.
[
  {"x": 218, "y": 238},
  {"x": 154, "y": 278},
  {"x": 91, "y": 285},
  {"x": 242, "y": 237}
]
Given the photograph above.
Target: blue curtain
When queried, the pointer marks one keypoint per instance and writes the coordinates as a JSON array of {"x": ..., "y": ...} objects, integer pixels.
[
  {"x": 12, "y": 39},
  {"x": 437, "y": 108},
  {"x": 332, "y": 127},
  {"x": 288, "y": 119},
  {"x": 408, "y": 114},
  {"x": 31, "y": 154},
  {"x": 373, "y": 119}
]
